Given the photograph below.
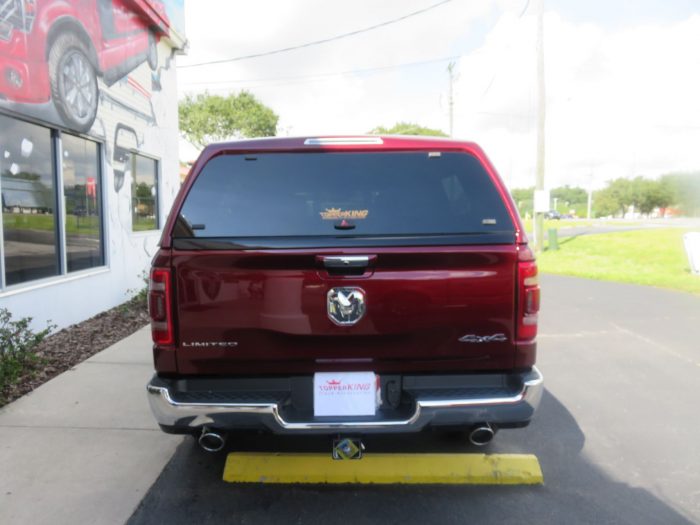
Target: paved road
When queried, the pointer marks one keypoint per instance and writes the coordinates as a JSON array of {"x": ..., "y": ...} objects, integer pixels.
[
  {"x": 617, "y": 434},
  {"x": 575, "y": 231},
  {"x": 614, "y": 225}
]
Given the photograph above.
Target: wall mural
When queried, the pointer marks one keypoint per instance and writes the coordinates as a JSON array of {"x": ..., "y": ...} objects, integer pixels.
[
  {"x": 59, "y": 55},
  {"x": 94, "y": 67}
]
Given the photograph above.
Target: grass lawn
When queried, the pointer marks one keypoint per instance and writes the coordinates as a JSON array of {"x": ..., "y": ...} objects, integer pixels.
[
  {"x": 141, "y": 224},
  {"x": 653, "y": 257},
  {"x": 564, "y": 223},
  {"x": 79, "y": 225},
  {"x": 27, "y": 221},
  {"x": 578, "y": 223}
]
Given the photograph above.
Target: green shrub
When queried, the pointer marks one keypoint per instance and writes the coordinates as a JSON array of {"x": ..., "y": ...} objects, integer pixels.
[
  {"x": 138, "y": 296},
  {"x": 17, "y": 345}
]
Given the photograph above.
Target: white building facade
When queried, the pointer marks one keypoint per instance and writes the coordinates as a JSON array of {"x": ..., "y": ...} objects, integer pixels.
[{"x": 88, "y": 151}]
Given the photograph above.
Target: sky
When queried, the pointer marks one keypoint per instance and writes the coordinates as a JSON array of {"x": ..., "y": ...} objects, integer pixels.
[{"x": 622, "y": 77}]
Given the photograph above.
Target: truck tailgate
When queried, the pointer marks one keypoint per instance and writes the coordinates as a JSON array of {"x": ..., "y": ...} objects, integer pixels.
[{"x": 445, "y": 308}]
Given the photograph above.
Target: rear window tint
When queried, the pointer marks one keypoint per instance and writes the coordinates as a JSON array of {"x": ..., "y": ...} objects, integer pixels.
[{"x": 342, "y": 194}]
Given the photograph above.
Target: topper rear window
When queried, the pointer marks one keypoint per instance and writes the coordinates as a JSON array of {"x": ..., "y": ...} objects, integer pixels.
[{"x": 342, "y": 196}]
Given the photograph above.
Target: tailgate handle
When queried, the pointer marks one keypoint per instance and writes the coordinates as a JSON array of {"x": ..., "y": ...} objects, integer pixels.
[{"x": 346, "y": 261}]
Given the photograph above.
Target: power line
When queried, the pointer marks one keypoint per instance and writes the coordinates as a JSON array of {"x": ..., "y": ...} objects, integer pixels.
[
  {"x": 318, "y": 42},
  {"x": 324, "y": 75}
]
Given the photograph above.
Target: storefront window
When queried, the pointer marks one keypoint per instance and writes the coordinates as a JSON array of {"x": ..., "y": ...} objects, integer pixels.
[
  {"x": 144, "y": 193},
  {"x": 27, "y": 182},
  {"x": 83, "y": 211}
]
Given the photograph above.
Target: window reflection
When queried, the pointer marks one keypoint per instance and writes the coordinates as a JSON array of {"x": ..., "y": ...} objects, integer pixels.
[
  {"x": 28, "y": 201},
  {"x": 144, "y": 193},
  {"x": 83, "y": 213}
]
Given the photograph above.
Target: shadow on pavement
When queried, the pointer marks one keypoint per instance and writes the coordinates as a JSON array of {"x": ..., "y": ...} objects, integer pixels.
[{"x": 190, "y": 489}]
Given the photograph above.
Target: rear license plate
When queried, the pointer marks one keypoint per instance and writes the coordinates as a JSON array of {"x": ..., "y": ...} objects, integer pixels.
[{"x": 345, "y": 394}]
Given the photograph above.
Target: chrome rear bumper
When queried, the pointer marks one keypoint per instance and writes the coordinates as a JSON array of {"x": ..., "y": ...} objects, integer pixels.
[{"x": 513, "y": 409}]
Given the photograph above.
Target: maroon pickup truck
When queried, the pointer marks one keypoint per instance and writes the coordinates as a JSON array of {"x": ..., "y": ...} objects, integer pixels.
[{"x": 344, "y": 286}]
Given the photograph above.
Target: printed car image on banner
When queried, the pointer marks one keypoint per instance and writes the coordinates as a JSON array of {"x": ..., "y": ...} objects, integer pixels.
[
  {"x": 62, "y": 60},
  {"x": 88, "y": 123}
]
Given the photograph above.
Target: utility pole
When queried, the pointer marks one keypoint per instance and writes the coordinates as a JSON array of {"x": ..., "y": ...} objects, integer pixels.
[
  {"x": 539, "y": 170},
  {"x": 590, "y": 195},
  {"x": 450, "y": 71}
]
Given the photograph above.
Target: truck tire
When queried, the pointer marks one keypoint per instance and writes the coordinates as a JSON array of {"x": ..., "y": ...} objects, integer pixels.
[{"x": 73, "y": 81}]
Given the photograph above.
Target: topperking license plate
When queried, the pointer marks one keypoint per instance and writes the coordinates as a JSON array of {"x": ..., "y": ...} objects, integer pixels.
[{"x": 345, "y": 394}]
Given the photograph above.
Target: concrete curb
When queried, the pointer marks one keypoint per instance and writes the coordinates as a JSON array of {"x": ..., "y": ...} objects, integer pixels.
[{"x": 382, "y": 469}]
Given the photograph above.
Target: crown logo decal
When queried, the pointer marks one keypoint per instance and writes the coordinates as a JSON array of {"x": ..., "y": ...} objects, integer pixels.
[{"x": 334, "y": 214}]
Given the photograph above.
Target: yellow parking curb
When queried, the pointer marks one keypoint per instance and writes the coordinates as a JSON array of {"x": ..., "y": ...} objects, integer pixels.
[{"x": 478, "y": 469}]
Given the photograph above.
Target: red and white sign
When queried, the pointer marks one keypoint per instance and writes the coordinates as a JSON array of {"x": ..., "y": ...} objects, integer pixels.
[
  {"x": 345, "y": 394},
  {"x": 91, "y": 187}
]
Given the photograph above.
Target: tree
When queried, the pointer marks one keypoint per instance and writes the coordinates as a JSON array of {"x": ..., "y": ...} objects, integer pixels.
[
  {"x": 644, "y": 194},
  {"x": 143, "y": 191},
  {"x": 621, "y": 191},
  {"x": 568, "y": 198},
  {"x": 209, "y": 118},
  {"x": 523, "y": 198},
  {"x": 605, "y": 203},
  {"x": 668, "y": 196},
  {"x": 685, "y": 188},
  {"x": 407, "y": 128},
  {"x": 653, "y": 194}
]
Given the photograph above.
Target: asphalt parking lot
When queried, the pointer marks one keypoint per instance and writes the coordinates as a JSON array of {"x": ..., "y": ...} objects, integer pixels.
[{"x": 617, "y": 434}]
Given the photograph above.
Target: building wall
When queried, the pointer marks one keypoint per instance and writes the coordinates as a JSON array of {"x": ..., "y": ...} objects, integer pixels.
[{"x": 135, "y": 123}]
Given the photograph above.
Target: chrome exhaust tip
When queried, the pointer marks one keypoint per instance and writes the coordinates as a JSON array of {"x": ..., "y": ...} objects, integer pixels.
[
  {"x": 481, "y": 435},
  {"x": 211, "y": 441}
]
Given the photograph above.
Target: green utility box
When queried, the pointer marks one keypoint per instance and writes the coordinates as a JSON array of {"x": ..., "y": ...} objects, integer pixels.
[{"x": 553, "y": 239}]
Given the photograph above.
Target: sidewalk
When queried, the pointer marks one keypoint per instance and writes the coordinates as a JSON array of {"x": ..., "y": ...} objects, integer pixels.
[{"x": 83, "y": 448}]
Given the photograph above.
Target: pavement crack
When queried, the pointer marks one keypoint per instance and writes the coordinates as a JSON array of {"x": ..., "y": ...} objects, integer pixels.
[{"x": 655, "y": 344}]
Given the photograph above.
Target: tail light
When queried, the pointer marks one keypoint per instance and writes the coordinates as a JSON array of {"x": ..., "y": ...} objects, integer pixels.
[
  {"x": 528, "y": 294},
  {"x": 159, "y": 306}
]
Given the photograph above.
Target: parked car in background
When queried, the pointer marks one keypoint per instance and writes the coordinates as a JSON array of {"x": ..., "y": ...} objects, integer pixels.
[{"x": 553, "y": 214}]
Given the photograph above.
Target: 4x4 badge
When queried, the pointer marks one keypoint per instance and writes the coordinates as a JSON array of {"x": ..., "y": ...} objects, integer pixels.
[
  {"x": 346, "y": 306},
  {"x": 472, "y": 338}
]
